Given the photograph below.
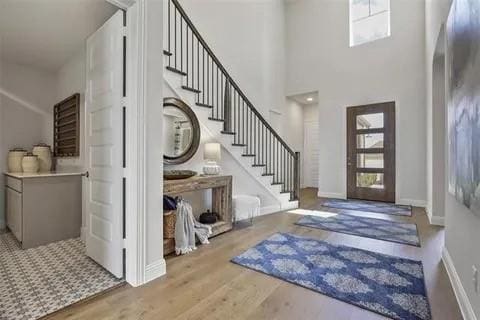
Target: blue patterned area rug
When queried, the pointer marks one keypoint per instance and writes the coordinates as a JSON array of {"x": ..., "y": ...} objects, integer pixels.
[
  {"x": 391, "y": 286},
  {"x": 368, "y": 206},
  {"x": 405, "y": 233}
]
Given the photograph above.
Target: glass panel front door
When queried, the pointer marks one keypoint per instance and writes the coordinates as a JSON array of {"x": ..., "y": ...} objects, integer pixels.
[{"x": 371, "y": 152}]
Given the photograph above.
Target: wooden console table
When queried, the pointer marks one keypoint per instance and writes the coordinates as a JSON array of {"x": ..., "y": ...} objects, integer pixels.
[{"x": 221, "y": 200}]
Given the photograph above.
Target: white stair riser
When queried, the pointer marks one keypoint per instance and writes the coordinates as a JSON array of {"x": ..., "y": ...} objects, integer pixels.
[{"x": 175, "y": 81}]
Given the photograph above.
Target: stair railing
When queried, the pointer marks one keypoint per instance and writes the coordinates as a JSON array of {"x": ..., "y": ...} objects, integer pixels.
[{"x": 189, "y": 55}]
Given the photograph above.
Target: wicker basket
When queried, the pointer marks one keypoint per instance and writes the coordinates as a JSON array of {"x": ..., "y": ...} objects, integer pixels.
[{"x": 169, "y": 219}]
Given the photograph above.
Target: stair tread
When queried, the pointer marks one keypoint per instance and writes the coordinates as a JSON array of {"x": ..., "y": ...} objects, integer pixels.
[
  {"x": 204, "y": 105},
  {"x": 167, "y": 53},
  {"x": 228, "y": 132},
  {"x": 248, "y": 155},
  {"x": 268, "y": 174},
  {"x": 176, "y": 70},
  {"x": 259, "y": 165},
  {"x": 239, "y": 144},
  {"x": 215, "y": 119},
  {"x": 191, "y": 89}
]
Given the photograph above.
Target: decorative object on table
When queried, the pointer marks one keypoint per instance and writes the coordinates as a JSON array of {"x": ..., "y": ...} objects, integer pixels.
[
  {"x": 181, "y": 133},
  {"x": 44, "y": 154},
  {"x": 30, "y": 163},
  {"x": 388, "y": 285},
  {"x": 15, "y": 157},
  {"x": 211, "y": 154},
  {"x": 245, "y": 207},
  {"x": 178, "y": 174},
  {"x": 463, "y": 56},
  {"x": 66, "y": 127},
  {"x": 187, "y": 227},
  {"x": 208, "y": 217}
]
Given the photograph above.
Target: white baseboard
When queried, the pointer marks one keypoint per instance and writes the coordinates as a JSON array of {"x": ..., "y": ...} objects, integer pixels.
[
  {"x": 331, "y": 195},
  {"x": 155, "y": 270},
  {"x": 460, "y": 294},
  {"x": 83, "y": 231},
  {"x": 270, "y": 209},
  {"x": 413, "y": 202},
  {"x": 436, "y": 221}
]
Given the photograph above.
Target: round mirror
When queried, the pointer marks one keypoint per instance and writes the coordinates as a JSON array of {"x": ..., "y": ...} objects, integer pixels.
[{"x": 181, "y": 131}]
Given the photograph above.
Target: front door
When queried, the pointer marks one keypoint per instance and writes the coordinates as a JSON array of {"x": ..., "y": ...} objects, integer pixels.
[
  {"x": 104, "y": 145},
  {"x": 371, "y": 152}
]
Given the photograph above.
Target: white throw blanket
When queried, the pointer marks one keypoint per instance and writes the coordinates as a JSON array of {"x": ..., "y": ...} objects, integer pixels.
[{"x": 187, "y": 227}]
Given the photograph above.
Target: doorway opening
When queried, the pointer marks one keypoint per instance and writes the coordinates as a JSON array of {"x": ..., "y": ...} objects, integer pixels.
[
  {"x": 371, "y": 152},
  {"x": 61, "y": 235}
]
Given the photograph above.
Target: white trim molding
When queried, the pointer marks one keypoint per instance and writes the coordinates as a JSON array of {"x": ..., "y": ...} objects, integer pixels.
[
  {"x": 336, "y": 195},
  {"x": 144, "y": 182},
  {"x": 413, "y": 202},
  {"x": 155, "y": 270},
  {"x": 460, "y": 293},
  {"x": 434, "y": 220}
]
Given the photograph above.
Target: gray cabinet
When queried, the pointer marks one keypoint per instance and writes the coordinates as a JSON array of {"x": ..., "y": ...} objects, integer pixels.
[
  {"x": 43, "y": 208},
  {"x": 14, "y": 212}
]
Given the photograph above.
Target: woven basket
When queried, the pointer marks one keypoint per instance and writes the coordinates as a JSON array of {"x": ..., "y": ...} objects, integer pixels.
[{"x": 169, "y": 219}]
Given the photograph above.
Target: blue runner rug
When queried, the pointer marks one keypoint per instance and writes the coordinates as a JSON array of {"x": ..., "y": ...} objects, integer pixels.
[
  {"x": 405, "y": 233},
  {"x": 391, "y": 286},
  {"x": 368, "y": 206}
]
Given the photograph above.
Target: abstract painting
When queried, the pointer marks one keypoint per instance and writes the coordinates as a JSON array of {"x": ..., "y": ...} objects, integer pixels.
[{"x": 463, "y": 74}]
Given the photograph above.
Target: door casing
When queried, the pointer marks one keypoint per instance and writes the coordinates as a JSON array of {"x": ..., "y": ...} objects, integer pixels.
[{"x": 387, "y": 194}]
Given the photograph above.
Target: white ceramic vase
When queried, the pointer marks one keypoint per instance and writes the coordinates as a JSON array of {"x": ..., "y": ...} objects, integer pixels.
[
  {"x": 15, "y": 157},
  {"x": 44, "y": 154},
  {"x": 30, "y": 163}
]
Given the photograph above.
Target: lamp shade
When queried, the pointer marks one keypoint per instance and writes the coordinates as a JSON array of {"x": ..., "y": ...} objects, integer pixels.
[{"x": 212, "y": 152}]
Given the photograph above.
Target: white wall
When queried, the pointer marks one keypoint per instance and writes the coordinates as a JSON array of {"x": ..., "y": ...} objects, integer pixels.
[
  {"x": 26, "y": 106},
  {"x": 319, "y": 58},
  {"x": 248, "y": 38},
  {"x": 461, "y": 225}
]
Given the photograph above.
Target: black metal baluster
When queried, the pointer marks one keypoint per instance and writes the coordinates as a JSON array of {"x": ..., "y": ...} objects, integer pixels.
[
  {"x": 175, "y": 38},
  {"x": 169, "y": 33},
  {"x": 181, "y": 44},
  {"x": 186, "y": 58},
  {"x": 198, "y": 67}
]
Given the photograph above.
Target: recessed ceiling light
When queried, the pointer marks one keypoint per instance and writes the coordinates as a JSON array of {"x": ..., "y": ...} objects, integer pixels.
[{"x": 309, "y": 99}]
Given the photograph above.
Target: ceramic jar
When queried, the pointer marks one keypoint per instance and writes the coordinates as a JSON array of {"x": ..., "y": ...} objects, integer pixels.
[
  {"x": 30, "y": 163},
  {"x": 44, "y": 154},
  {"x": 15, "y": 159}
]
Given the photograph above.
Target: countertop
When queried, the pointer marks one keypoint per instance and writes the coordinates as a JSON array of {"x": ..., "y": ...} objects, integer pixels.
[{"x": 23, "y": 175}]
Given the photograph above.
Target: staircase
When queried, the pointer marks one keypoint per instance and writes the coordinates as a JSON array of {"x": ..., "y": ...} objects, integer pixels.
[{"x": 197, "y": 76}]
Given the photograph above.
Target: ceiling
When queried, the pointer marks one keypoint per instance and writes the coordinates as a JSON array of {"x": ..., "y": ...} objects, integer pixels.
[
  {"x": 45, "y": 33},
  {"x": 307, "y": 98}
]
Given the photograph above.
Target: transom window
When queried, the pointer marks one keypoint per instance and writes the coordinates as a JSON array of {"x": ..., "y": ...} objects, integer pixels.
[{"x": 369, "y": 21}]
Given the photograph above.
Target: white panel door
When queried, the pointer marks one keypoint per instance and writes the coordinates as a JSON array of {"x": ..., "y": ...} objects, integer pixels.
[
  {"x": 104, "y": 145},
  {"x": 311, "y": 154}
]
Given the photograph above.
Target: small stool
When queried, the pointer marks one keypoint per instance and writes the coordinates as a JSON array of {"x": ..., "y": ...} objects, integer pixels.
[{"x": 245, "y": 207}]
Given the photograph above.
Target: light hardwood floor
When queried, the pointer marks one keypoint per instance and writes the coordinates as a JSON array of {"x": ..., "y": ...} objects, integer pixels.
[{"x": 205, "y": 285}]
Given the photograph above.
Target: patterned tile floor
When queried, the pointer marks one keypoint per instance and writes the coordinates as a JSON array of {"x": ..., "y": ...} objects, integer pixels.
[{"x": 38, "y": 281}]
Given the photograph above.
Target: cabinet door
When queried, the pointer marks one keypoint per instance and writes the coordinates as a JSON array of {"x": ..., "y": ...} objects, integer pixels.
[{"x": 14, "y": 212}]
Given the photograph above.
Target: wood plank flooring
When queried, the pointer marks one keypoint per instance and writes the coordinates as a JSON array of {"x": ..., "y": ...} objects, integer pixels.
[{"x": 205, "y": 285}]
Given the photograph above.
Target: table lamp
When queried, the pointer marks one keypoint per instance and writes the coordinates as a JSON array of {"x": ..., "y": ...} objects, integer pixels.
[{"x": 211, "y": 155}]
